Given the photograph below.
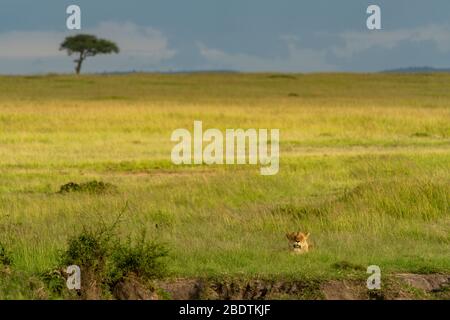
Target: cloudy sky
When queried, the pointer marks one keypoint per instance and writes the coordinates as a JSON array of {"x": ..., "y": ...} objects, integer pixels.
[{"x": 241, "y": 35}]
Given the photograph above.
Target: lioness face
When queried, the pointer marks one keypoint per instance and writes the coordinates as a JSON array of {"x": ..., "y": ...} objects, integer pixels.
[{"x": 298, "y": 242}]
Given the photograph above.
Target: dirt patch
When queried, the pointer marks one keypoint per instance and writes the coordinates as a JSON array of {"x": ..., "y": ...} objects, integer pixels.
[
  {"x": 258, "y": 289},
  {"x": 91, "y": 285},
  {"x": 130, "y": 288},
  {"x": 425, "y": 282},
  {"x": 394, "y": 287},
  {"x": 344, "y": 290},
  {"x": 182, "y": 289},
  {"x": 400, "y": 286}
]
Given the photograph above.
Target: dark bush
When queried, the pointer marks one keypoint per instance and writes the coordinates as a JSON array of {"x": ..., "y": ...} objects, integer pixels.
[
  {"x": 94, "y": 186},
  {"x": 5, "y": 258}
]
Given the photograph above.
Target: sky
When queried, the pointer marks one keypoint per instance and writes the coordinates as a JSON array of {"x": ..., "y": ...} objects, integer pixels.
[{"x": 239, "y": 35}]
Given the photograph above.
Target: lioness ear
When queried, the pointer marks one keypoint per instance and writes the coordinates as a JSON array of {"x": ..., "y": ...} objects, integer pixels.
[
  {"x": 307, "y": 235},
  {"x": 290, "y": 236}
]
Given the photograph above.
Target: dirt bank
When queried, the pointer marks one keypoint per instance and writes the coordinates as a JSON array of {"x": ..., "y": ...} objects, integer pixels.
[{"x": 398, "y": 286}]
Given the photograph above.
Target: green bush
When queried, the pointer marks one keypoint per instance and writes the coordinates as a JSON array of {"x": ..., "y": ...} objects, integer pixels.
[
  {"x": 141, "y": 258},
  {"x": 106, "y": 259},
  {"x": 55, "y": 281},
  {"x": 87, "y": 249}
]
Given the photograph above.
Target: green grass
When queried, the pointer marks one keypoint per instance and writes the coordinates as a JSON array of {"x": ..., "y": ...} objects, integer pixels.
[{"x": 365, "y": 167}]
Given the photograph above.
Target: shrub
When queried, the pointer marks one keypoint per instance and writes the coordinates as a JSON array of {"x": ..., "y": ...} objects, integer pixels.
[
  {"x": 105, "y": 259},
  {"x": 86, "y": 249},
  {"x": 89, "y": 187},
  {"x": 5, "y": 259},
  {"x": 55, "y": 281},
  {"x": 141, "y": 258}
]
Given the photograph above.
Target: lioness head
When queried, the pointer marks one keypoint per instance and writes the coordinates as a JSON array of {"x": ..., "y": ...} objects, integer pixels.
[{"x": 298, "y": 242}]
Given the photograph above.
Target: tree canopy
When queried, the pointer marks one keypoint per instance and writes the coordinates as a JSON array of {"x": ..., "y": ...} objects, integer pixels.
[{"x": 85, "y": 45}]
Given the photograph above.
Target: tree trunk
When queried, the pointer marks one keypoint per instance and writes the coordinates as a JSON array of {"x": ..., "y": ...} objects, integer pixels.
[{"x": 79, "y": 62}]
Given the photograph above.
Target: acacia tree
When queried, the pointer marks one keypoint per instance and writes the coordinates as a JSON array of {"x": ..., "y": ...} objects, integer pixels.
[{"x": 85, "y": 45}]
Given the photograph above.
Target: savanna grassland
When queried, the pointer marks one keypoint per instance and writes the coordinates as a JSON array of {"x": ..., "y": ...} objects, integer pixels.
[{"x": 364, "y": 167}]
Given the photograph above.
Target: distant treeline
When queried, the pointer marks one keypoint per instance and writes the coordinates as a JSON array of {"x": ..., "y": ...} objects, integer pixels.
[{"x": 417, "y": 70}]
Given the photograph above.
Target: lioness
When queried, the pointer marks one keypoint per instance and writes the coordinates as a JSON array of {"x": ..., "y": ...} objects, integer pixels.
[{"x": 298, "y": 242}]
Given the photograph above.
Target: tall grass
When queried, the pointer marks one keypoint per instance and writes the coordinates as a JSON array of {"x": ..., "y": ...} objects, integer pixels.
[{"x": 365, "y": 167}]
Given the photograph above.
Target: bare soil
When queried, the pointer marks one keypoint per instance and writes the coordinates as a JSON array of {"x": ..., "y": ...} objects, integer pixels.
[{"x": 398, "y": 286}]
